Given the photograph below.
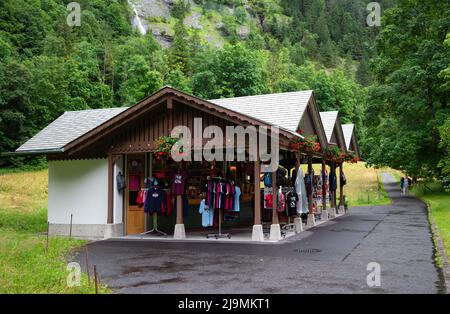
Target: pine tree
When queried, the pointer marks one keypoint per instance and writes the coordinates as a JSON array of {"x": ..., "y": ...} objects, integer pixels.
[{"x": 179, "y": 53}]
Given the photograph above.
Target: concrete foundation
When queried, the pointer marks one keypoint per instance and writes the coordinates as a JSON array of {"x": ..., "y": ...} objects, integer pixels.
[
  {"x": 275, "y": 232},
  {"x": 298, "y": 225},
  {"x": 311, "y": 220},
  {"x": 341, "y": 209},
  {"x": 179, "y": 232},
  {"x": 332, "y": 213},
  {"x": 324, "y": 216},
  {"x": 86, "y": 231},
  {"x": 257, "y": 233}
]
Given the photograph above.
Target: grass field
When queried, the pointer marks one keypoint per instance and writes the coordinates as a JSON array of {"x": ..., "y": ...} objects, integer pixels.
[
  {"x": 364, "y": 185},
  {"x": 25, "y": 266},
  {"x": 439, "y": 203}
]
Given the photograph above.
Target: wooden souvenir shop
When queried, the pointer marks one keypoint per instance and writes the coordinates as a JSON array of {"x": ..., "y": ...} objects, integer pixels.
[{"x": 100, "y": 176}]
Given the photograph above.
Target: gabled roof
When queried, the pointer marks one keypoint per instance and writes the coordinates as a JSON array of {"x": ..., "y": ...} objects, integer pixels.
[
  {"x": 329, "y": 121},
  {"x": 283, "y": 109},
  {"x": 66, "y": 128},
  {"x": 333, "y": 129},
  {"x": 348, "y": 133}
]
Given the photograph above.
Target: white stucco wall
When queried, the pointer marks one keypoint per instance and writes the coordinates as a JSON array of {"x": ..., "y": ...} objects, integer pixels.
[
  {"x": 78, "y": 187},
  {"x": 118, "y": 197}
]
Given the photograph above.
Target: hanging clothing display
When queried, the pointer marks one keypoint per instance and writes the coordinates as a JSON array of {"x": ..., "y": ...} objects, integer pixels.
[
  {"x": 281, "y": 176},
  {"x": 142, "y": 196},
  {"x": 333, "y": 181},
  {"x": 222, "y": 200},
  {"x": 134, "y": 182},
  {"x": 300, "y": 189},
  {"x": 154, "y": 202},
  {"x": 178, "y": 180},
  {"x": 268, "y": 179},
  {"x": 281, "y": 204},
  {"x": 343, "y": 179},
  {"x": 237, "y": 199},
  {"x": 220, "y": 194},
  {"x": 291, "y": 203},
  {"x": 207, "y": 214},
  {"x": 121, "y": 182}
]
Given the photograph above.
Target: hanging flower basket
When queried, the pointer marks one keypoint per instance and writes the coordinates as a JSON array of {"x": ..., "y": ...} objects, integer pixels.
[
  {"x": 334, "y": 154},
  {"x": 307, "y": 145},
  {"x": 163, "y": 147},
  {"x": 351, "y": 158}
]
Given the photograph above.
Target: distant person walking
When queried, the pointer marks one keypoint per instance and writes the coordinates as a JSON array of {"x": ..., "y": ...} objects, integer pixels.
[{"x": 404, "y": 185}]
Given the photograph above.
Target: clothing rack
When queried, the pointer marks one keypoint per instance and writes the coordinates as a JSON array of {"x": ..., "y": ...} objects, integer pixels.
[
  {"x": 155, "y": 226},
  {"x": 148, "y": 181},
  {"x": 289, "y": 226},
  {"x": 220, "y": 234}
]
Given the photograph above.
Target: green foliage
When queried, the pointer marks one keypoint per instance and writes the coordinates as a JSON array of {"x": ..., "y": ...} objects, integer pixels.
[
  {"x": 178, "y": 53},
  {"x": 47, "y": 67},
  {"x": 232, "y": 71},
  {"x": 180, "y": 8},
  {"x": 444, "y": 144},
  {"x": 408, "y": 96}
]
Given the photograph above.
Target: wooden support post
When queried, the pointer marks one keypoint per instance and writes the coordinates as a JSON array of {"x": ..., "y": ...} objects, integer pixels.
[
  {"x": 341, "y": 190},
  {"x": 257, "y": 193},
  {"x": 257, "y": 231},
  {"x": 334, "y": 191},
  {"x": 274, "y": 198},
  {"x": 324, "y": 190},
  {"x": 310, "y": 194},
  {"x": 179, "y": 210},
  {"x": 298, "y": 220},
  {"x": 297, "y": 164}
]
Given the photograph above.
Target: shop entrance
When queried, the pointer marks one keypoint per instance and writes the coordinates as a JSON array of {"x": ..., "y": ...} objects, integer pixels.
[{"x": 135, "y": 181}]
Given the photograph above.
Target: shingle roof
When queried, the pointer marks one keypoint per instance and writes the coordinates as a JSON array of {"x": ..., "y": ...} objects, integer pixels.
[
  {"x": 347, "y": 129},
  {"x": 68, "y": 127},
  {"x": 329, "y": 121},
  {"x": 284, "y": 110}
]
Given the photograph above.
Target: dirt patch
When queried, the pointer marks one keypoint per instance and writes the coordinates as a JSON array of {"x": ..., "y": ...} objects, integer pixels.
[{"x": 166, "y": 267}]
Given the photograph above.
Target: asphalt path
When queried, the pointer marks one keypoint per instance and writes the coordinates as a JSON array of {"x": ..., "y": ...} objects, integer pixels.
[{"x": 331, "y": 258}]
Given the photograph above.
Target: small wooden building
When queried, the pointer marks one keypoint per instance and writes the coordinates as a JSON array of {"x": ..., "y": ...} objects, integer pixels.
[{"x": 88, "y": 150}]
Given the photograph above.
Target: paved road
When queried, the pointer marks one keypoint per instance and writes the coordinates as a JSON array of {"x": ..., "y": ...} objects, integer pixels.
[{"x": 331, "y": 258}]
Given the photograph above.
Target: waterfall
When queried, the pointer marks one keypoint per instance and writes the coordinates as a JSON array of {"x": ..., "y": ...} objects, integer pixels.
[{"x": 137, "y": 20}]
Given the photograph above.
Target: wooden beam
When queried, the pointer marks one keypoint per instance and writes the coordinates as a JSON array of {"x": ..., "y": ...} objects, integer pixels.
[
  {"x": 274, "y": 198},
  {"x": 341, "y": 187},
  {"x": 310, "y": 190},
  {"x": 257, "y": 194},
  {"x": 324, "y": 190},
  {"x": 169, "y": 103}
]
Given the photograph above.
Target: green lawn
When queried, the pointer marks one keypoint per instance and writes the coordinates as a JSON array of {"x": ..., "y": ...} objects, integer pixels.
[
  {"x": 364, "y": 186},
  {"x": 25, "y": 266},
  {"x": 439, "y": 202}
]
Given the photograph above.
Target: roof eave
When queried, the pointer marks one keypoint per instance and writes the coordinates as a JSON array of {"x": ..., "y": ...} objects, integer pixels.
[{"x": 35, "y": 152}]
